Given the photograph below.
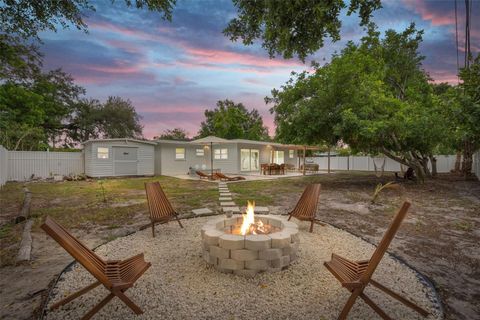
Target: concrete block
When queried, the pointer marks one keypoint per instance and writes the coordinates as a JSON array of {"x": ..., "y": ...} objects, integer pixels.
[
  {"x": 270, "y": 254},
  {"x": 280, "y": 263},
  {"x": 271, "y": 269},
  {"x": 211, "y": 237},
  {"x": 202, "y": 211},
  {"x": 294, "y": 234},
  {"x": 280, "y": 239},
  {"x": 231, "y": 209},
  {"x": 231, "y": 241},
  {"x": 262, "y": 210},
  {"x": 275, "y": 222},
  {"x": 227, "y": 204},
  {"x": 219, "y": 252},
  {"x": 259, "y": 265},
  {"x": 290, "y": 224},
  {"x": 244, "y": 255},
  {"x": 231, "y": 264},
  {"x": 230, "y": 222},
  {"x": 225, "y": 199},
  {"x": 257, "y": 242}
]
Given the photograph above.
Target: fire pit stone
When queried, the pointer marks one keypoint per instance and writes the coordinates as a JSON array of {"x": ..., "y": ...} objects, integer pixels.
[{"x": 231, "y": 252}]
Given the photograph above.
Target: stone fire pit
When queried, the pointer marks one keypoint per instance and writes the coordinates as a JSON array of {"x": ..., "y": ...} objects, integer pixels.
[{"x": 252, "y": 253}]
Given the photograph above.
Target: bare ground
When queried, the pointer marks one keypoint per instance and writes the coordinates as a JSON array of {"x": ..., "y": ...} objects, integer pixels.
[{"x": 440, "y": 237}]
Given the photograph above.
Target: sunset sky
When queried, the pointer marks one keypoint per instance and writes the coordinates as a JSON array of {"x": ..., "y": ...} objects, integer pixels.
[{"x": 173, "y": 71}]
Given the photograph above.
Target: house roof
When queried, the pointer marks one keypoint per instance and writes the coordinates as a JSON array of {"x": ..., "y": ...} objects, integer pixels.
[
  {"x": 120, "y": 139},
  {"x": 210, "y": 139}
]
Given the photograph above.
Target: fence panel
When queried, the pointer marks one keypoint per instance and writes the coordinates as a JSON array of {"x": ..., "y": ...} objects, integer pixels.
[
  {"x": 22, "y": 165},
  {"x": 445, "y": 163},
  {"x": 476, "y": 164},
  {"x": 3, "y": 165}
]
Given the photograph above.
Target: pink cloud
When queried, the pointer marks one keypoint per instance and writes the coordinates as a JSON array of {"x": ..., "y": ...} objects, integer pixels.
[{"x": 436, "y": 18}]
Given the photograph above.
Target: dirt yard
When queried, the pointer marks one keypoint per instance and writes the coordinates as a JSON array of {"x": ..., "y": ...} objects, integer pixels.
[{"x": 440, "y": 237}]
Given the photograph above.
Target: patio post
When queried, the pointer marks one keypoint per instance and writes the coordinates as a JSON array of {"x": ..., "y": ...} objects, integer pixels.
[
  {"x": 211, "y": 160},
  {"x": 304, "y": 153}
]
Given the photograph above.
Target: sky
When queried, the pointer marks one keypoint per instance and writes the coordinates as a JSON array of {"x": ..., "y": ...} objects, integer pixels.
[{"x": 173, "y": 71}]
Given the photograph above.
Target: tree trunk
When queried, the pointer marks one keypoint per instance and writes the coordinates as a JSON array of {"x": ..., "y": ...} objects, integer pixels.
[
  {"x": 467, "y": 159},
  {"x": 458, "y": 162},
  {"x": 433, "y": 161}
]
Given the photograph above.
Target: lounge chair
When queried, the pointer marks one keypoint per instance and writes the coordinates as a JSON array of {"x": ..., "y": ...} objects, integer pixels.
[
  {"x": 116, "y": 276},
  {"x": 222, "y": 177},
  {"x": 203, "y": 175},
  {"x": 161, "y": 211},
  {"x": 306, "y": 208},
  {"x": 356, "y": 275}
]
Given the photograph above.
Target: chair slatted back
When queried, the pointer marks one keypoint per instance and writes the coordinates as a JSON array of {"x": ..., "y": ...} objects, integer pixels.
[
  {"x": 385, "y": 242},
  {"x": 306, "y": 207},
  {"x": 79, "y": 251},
  {"x": 158, "y": 204},
  {"x": 201, "y": 174}
]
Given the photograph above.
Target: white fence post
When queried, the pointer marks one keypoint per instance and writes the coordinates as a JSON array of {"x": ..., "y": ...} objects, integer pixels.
[{"x": 3, "y": 165}]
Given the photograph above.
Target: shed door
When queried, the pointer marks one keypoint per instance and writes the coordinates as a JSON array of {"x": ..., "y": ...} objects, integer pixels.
[{"x": 125, "y": 161}]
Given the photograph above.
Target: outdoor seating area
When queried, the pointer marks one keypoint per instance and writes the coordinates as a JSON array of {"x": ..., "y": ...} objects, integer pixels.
[
  {"x": 175, "y": 288},
  {"x": 235, "y": 250}
]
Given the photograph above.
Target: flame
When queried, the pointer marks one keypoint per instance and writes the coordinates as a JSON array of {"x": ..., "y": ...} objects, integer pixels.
[{"x": 248, "y": 218}]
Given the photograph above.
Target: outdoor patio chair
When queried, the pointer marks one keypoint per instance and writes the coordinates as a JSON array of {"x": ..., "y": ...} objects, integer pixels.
[
  {"x": 356, "y": 275},
  {"x": 203, "y": 175},
  {"x": 222, "y": 177},
  {"x": 306, "y": 208},
  {"x": 161, "y": 211},
  {"x": 116, "y": 276}
]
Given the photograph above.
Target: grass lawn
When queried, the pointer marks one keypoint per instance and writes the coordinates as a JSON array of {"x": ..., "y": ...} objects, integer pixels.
[{"x": 111, "y": 203}]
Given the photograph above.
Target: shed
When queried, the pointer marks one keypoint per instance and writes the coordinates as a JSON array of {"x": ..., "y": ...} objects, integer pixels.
[{"x": 119, "y": 157}]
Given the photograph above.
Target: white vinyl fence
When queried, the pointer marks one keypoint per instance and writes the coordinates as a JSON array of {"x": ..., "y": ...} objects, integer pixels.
[
  {"x": 476, "y": 164},
  {"x": 23, "y": 165},
  {"x": 3, "y": 165},
  {"x": 365, "y": 163}
]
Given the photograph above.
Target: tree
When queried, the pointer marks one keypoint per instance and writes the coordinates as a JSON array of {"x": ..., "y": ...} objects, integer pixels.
[
  {"x": 460, "y": 107},
  {"x": 293, "y": 27},
  {"x": 85, "y": 121},
  {"x": 230, "y": 120},
  {"x": 174, "y": 134},
  {"x": 373, "y": 96},
  {"x": 119, "y": 119}
]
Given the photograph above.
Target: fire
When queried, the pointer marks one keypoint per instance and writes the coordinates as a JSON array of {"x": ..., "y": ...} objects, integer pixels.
[
  {"x": 248, "y": 218},
  {"x": 249, "y": 225}
]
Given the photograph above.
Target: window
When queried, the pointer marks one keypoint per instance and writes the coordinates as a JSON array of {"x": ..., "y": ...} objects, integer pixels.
[
  {"x": 220, "y": 154},
  {"x": 200, "y": 152},
  {"x": 279, "y": 157},
  {"x": 249, "y": 159},
  {"x": 291, "y": 154},
  {"x": 102, "y": 153},
  {"x": 179, "y": 153}
]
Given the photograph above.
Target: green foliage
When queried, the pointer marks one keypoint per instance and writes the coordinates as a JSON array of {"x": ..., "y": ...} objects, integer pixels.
[
  {"x": 27, "y": 18},
  {"x": 293, "y": 27},
  {"x": 373, "y": 96},
  {"x": 233, "y": 121},
  {"x": 380, "y": 187},
  {"x": 174, "y": 134},
  {"x": 120, "y": 120}
]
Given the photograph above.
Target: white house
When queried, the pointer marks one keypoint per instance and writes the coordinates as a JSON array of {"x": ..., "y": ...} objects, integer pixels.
[{"x": 121, "y": 157}]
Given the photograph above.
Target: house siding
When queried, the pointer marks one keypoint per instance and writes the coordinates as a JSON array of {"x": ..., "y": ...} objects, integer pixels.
[{"x": 95, "y": 167}]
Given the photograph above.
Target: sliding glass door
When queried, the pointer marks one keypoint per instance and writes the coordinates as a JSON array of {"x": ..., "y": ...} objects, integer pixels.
[{"x": 249, "y": 160}]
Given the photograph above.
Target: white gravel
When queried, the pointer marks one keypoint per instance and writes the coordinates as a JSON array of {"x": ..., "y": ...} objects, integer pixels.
[{"x": 180, "y": 285}]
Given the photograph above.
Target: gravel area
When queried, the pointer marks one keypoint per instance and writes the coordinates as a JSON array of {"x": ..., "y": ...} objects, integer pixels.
[{"x": 180, "y": 285}]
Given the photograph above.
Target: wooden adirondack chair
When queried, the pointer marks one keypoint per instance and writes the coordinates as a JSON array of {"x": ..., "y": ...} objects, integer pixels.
[
  {"x": 115, "y": 276},
  {"x": 306, "y": 208},
  {"x": 222, "y": 177},
  {"x": 203, "y": 175},
  {"x": 161, "y": 211},
  {"x": 356, "y": 275}
]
